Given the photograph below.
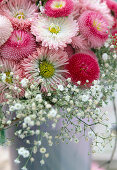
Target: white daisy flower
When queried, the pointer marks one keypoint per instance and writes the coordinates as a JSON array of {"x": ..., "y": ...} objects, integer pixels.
[{"x": 54, "y": 32}]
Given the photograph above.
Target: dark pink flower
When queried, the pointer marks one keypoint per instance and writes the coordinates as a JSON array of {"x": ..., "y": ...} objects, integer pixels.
[
  {"x": 83, "y": 67},
  {"x": 20, "y": 45},
  {"x": 58, "y": 8}
]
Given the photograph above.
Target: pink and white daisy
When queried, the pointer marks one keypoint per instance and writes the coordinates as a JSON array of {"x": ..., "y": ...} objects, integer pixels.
[
  {"x": 47, "y": 66},
  {"x": 5, "y": 29},
  {"x": 58, "y": 8},
  {"x": 54, "y": 32},
  {"x": 94, "y": 27},
  {"x": 9, "y": 71},
  {"x": 81, "y": 6},
  {"x": 20, "y": 45},
  {"x": 20, "y": 13}
]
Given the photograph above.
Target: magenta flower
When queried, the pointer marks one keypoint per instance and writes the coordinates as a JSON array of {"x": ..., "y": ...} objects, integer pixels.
[
  {"x": 83, "y": 67},
  {"x": 94, "y": 27},
  {"x": 20, "y": 45},
  {"x": 58, "y": 8}
]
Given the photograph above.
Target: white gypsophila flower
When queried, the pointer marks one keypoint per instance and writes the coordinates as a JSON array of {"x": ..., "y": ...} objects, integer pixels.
[
  {"x": 18, "y": 106},
  {"x": 98, "y": 111},
  {"x": 43, "y": 150},
  {"x": 39, "y": 143},
  {"x": 115, "y": 56},
  {"x": 104, "y": 56},
  {"x": 96, "y": 82},
  {"x": 24, "y": 168},
  {"x": 23, "y": 152},
  {"x": 26, "y": 154},
  {"x": 38, "y": 98},
  {"x": 54, "y": 100},
  {"x": 67, "y": 98},
  {"x": 17, "y": 161},
  {"x": 52, "y": 113},
  {"x": 91, "y": 134},
  {"x": 48, "y": 106},
  {"x": 42, "y": 162},
  {"x": 28, "y": 121},
  {"x": 27, "y": 94},
  {"x": 33, "y": 106},
  {"x": 24, "y": 82},
  {"x": 112, "y": 46},
  {"x": 79, "y": 82},
  {"x": 85, "y": 98},
  {"x": 53, "y": 125},
  {"x": 60, "y": 87},
  {"x": 69, "y": 80},
  {"x": 76, "y": 140},
  {"x": 37, "y": 132},
  {"x": 47, "y": 155},
  {"x": 12, "y": 108}
]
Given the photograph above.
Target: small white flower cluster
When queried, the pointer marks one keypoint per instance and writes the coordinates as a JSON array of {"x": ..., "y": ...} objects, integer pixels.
[
  {"x": 24, "y": 82},
  {"x": 28, "y": 122},
  {"x": 17, "y": 106},
  {"x": 23, "y": 152}
]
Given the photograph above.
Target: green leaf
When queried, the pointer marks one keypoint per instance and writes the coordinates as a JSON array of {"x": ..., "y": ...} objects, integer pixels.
[{"x": 2, "y": 137}]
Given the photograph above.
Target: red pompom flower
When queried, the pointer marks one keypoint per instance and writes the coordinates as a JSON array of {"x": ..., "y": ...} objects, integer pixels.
[
  {"x": 83, "y": 67},
  {"x": 58, "y": 8},
  {"x": 20, "y": 45}
]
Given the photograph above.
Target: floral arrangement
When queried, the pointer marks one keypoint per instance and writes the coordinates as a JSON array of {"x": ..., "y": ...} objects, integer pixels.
[{"x": 58, "y": 64}]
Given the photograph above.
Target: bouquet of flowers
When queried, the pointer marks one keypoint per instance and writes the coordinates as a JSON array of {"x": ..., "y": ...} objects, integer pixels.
[{"x": 58, "y": 62}]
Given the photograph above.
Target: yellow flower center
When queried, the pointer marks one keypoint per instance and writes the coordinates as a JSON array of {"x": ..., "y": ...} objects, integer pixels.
[
  {"x": 20, "y": 15},
  {"x": 58, "y": 4},
  {"x": 46, "y": 69},
  {"x": 97, "y": 25},
  {"x": 54, "y": 29},
  {"x": 9, "y": 78}
]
